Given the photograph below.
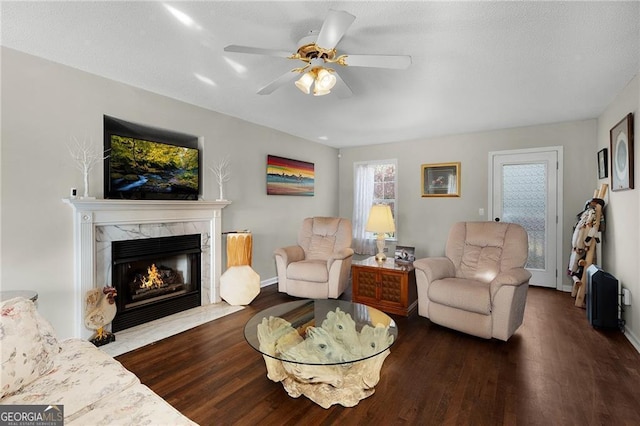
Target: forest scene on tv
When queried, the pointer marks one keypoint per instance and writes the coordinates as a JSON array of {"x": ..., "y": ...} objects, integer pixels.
[{"x": 138, "y": 165}]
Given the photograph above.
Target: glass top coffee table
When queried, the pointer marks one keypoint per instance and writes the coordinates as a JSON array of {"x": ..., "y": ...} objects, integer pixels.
[{"x": 307, "y": 344}]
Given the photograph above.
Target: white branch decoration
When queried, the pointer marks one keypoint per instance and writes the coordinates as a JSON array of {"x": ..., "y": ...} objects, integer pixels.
[
  {"x": 86, "y": 158},
  {"x": 223, "y": 174}
]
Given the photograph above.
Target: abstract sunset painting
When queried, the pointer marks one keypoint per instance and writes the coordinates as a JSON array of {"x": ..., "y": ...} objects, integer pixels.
[{"x": 289, "y": 177}]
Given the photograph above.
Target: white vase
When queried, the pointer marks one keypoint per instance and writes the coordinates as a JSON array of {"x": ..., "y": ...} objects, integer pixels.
[{"x": 86, "y": 184}]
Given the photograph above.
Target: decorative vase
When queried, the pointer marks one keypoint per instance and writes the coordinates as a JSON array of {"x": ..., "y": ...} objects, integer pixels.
[{"x": 86, "y": 185}]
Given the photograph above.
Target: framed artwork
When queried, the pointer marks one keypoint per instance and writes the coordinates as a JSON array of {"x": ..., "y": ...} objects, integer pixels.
[
  {"x": 621, "y": 139},
  {"x": 404, "y": 255},
  {"x": 441, "y": 180},
  {"x": 603, "y": 165},
  {"x": 289, "y": 177}
]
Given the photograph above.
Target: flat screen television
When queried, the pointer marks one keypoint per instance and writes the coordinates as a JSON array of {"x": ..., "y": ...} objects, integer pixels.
[{"x": 148, "y": 163}]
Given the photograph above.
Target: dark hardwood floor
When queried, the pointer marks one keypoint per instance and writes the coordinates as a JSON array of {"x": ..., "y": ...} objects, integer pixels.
[{"x": 556, "y": 370}]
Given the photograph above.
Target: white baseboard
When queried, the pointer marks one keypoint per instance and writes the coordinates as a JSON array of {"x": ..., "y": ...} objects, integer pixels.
[
  {"x": 632, "y": 338},
  {"x": 268, "y": 282}
]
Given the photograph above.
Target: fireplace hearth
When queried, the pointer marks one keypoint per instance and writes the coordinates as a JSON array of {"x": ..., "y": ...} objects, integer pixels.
[{"x": 155, "y": 277}]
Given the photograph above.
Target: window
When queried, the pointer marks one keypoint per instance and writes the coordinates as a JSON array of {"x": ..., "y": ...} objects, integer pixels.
[
  {"x": 384, "y": 186},
  {"x": 375, "y": 183}
]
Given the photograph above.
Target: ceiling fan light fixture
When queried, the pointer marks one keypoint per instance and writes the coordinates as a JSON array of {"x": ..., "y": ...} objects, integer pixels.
[
  {"x": 304, "y": 83},
  {"x": 317, "y": 50},
  {"x": 325, "y": 80},
  {"x": 320, "y": 92}
]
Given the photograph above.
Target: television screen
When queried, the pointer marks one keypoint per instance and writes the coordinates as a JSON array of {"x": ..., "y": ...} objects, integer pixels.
[
  {"x": 151, "y": 167},
  {"x": 139, "y": 168}
]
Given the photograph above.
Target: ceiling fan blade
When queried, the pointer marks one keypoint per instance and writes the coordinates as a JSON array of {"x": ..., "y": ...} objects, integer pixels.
[
  {"x": 334, "y": 27},
  {"x": 278, "y": 82},
  {"x": 379, "y": 61},
  {"x": 257, "y": 51},
  {"x": 341, "y": 89}
]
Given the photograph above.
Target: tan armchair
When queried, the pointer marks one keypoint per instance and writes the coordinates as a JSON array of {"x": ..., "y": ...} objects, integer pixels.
[
  {"x": 319, "y": 266},
  {"x": 480, "y": 287}
]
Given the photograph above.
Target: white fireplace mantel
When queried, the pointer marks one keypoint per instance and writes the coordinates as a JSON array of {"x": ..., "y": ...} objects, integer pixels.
[{"x": 89, "y": 214}]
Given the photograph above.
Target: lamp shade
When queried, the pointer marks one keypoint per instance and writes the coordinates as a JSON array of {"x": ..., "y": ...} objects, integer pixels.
[
  {"x": 317, "y": 92},
  {"x": 380, "y": 219},
  {"x": 325, "y": 80},
  {"x": 304, "y": 83}
]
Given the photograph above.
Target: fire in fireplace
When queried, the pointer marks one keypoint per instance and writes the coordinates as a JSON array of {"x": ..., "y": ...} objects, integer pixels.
[
  {"x": 155, "y": 277},
  {"x": 155, "y": 284}
]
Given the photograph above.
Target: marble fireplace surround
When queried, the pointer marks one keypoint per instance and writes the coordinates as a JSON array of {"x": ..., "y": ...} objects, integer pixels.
[{"x": 98, "y": 222}]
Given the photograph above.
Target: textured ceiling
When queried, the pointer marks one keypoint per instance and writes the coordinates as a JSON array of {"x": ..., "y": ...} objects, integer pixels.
[{"x": 475, "y": 65}]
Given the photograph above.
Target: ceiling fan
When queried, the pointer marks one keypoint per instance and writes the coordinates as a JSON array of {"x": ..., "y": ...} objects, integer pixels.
[{"x": 318, "y": 50}]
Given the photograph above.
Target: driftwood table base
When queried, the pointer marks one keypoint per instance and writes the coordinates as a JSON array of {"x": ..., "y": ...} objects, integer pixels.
[
  {"x": 327, "y": 385},
  {"x": 330, "y": 351}
]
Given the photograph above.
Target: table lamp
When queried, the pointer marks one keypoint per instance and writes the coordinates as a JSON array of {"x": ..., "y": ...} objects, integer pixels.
[{"x": 380, "y": 222}]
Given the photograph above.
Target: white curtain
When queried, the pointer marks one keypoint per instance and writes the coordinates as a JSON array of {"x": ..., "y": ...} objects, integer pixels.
[{"x": 363, "y": 200}]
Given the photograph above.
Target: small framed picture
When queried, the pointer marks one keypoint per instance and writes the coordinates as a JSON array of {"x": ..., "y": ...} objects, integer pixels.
[
  {"x": 441, "y": 180},
  {"x": 621, "y": 139},
  {"x": 603, "y": 164},
  {"x": 405, "y": 255}
]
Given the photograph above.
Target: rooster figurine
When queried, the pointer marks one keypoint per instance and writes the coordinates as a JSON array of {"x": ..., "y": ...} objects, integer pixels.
[{"x": 100, "y": 309}]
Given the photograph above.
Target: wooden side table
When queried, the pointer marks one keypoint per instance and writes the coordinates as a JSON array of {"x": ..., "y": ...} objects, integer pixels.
[{"x": 388, "y": 286}]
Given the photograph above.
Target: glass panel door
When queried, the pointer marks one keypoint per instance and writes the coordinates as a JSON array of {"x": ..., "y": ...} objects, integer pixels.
[
  {"x": 524, "y": 201},
  {"x": 525, "y": 192}
]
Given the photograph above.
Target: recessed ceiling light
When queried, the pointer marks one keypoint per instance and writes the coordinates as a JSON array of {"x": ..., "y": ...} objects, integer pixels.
[
  {"x": 204, "y": 79},
  {"x": 182, "y": 17},
  {"x": 239, "y": 68},
  {"x": 323, "y": 138}
]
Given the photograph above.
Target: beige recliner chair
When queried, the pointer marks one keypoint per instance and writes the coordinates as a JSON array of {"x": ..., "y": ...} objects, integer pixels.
[
  {"x": 480, "y": 287},
  {"x": 319, "y": 266}
]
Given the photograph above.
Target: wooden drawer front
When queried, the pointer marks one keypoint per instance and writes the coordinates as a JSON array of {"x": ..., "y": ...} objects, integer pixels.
[
  {"x": 367, "y": 284},
  {"x": 391, "y": 287}
]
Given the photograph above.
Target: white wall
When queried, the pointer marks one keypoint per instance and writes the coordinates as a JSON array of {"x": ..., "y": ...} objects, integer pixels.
[
  {"x": 45, "y": 104},
  {"x": 424, "y": 222},
  {"x": 622, "y": 236}
]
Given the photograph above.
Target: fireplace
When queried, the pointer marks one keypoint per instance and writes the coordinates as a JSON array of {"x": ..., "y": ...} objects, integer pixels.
[
  {"x": 99, "y": 223},
  {"x": 155, "y": 277}
]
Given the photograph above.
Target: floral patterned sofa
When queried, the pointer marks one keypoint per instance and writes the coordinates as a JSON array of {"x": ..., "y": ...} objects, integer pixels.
[{"x": 93, "y": 388}]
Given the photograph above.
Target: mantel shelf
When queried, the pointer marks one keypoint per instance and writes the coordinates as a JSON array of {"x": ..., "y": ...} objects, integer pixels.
[{"x": 99, "y": 204}]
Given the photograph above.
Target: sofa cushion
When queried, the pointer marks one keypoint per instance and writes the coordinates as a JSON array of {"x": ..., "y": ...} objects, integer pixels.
[
  {"x": 325, "y": 225},
  {"x": 319, "y": 237},
  {"x": 81, "y": 376},
  {"x": 467, "y": 295},
  {"x": 321, "y": 247},
  {"x": 28, "y": 345},
  {"x": 480, "y": 262},
  {"x": 475, "y": 249},
  {"x": 308, "y": 270},
  {"x": 137, "y": 405},
  {"x": 48, "y": 335}
]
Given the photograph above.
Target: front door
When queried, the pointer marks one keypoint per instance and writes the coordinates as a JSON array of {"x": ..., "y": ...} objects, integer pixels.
[{"x": 524, "y": 190}]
